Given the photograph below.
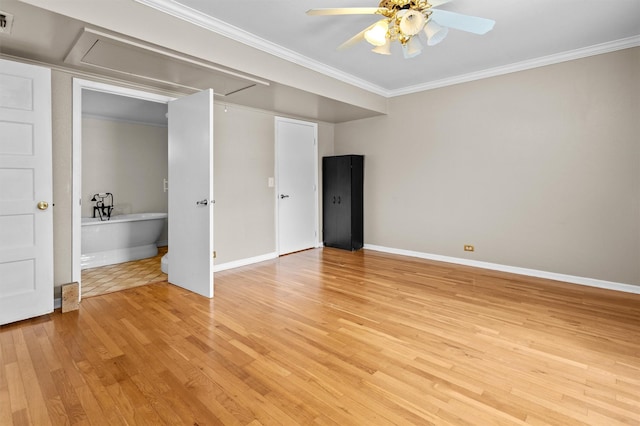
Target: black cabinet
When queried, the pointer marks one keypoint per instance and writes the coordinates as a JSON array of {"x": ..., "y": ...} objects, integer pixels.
[{"x": 342, "y": 201}]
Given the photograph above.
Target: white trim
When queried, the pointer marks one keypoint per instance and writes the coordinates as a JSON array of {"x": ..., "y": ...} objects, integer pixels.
[
  {"x": 591, "y": 282},
  {"x": 76, "y": 153},
  {"x": 244, "y": 262},
  {"x": 543, "y": 61}
]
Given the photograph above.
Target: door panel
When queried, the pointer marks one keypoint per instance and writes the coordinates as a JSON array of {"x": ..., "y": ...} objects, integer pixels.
[
  {"x": 343, "y": 202},
  {"x": 338, "y": 202},
  {"x": 26, "y": 231},
  {"x": 329, "y": 208},
  {"x": 191, "y": 193},
  {"x": 297, "y": 185}
]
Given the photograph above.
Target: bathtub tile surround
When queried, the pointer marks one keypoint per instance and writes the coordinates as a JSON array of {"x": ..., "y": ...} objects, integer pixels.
[
  {"x": 121, "y": 239},
  {"x": 107, "y": 279}
]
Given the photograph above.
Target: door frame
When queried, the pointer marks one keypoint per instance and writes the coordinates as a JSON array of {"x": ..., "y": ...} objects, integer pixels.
[
  {"x": 315, "y": 177},
  {"x": 76, "y": 154}
]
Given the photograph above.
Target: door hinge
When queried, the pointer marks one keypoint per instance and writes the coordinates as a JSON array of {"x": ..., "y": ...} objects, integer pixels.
[{"x": 214, "y": 254}]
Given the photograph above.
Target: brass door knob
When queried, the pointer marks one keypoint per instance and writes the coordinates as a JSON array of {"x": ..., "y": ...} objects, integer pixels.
[{"x": 43, "y": 205}]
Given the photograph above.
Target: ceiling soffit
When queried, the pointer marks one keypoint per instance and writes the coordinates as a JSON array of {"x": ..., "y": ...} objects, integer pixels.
[{"x": 113, "y": 54}]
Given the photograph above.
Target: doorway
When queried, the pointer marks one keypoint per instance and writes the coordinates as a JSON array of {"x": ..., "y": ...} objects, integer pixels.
[
  {"x": 190, "y": 158},
  {"x": 85, "y": 92},
  {"x": 297, "y": 184}
]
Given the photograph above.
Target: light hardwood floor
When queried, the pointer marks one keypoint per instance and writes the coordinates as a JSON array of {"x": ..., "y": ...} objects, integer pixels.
[{"x": 333, "y": 338}]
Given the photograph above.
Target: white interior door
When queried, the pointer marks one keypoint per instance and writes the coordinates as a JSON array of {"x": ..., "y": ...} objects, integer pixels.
[
  {"x": 191, "y": 192},
  {"x": 297, "y": 173},
  {"x": 26, "y": 214}
]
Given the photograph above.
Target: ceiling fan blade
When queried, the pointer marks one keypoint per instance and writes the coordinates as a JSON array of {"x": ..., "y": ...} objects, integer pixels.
[
  {"x": 356, "y": 38},
  {"x": 458, "y": 21},
  {"x": 346, "y": 11}
]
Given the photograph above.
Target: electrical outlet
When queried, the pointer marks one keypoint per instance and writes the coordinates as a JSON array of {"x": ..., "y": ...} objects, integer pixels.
[{"x": 468, "y": 247}]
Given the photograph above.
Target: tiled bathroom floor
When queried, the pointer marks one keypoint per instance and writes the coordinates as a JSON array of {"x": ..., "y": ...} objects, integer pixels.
[{"x": 107, "y": 279}]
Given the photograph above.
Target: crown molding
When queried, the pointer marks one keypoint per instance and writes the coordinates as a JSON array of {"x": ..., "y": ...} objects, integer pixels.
[
  {"x": 220, "y": 27},
  {"x": 543, "y": 61},
  {"x": 227, "y": 30}
]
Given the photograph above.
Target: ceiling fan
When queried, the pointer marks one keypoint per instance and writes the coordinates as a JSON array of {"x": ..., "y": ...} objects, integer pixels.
[{"x": 404, "y": 21}]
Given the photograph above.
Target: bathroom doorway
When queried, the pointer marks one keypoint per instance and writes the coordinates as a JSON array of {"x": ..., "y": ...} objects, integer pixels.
[
  {"x": 120, "y": 149},
  {"x": 190, "y": 162}
]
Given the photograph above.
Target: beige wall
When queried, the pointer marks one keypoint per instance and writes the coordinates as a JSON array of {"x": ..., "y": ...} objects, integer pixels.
[
  {"x": 244, "y": 159},
  {"x": 244, "y": 150},
  {"x": 62, "y": 138},
  {"x": 128, "y": 160},
  {"x": 538, "y": 169}
]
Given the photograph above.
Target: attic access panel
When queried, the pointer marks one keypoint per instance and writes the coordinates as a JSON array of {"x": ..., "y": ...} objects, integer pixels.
[{"x": 117, "y": 55}]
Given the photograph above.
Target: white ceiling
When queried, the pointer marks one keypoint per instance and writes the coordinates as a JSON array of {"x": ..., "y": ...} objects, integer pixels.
[
  {"x": 527, "y": 33},
  {"x": 123, "y": 108}
]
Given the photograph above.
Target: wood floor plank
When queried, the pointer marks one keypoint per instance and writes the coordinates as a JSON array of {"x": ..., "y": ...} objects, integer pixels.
[
  {"x": 26, "y": 362},
  {"x": 330, "y": 337},
  {"x": 17, "y": 393}
]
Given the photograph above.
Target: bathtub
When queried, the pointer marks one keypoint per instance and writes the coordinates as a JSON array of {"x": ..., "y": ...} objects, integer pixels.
[{"x": 123, "y": 238}]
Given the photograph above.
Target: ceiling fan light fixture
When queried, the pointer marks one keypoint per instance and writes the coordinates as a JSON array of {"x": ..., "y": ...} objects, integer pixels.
[
  {"x": 435, "y": 33},
  {"x": 412, "y": 48},
  {"x": 412, "y": 22},
  {"x": 403, "y": 22},
  {"x": 385, "y": 49},
  {"x": 377, "y": 35}
]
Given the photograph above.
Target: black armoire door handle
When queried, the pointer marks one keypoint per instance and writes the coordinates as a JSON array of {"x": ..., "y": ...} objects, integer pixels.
[
  {"x": 339, "y": 199},
  {"x": 334, "y": 199}
]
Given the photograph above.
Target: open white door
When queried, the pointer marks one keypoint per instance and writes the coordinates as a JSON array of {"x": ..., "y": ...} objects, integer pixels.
[
  {"x": 297, "y": 173},
  {"x": 191, "y": 192},
  {"x": 26, "y": 214}
]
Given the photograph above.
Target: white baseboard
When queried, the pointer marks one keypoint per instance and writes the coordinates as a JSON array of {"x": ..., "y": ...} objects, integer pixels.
[
  {"x": 244, "y": 262},
  {"x": 591, "y": 282}
]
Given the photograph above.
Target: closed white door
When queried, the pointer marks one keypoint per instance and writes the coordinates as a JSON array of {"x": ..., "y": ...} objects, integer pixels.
[
  {"x": 297, "y": 174},
  {"x": 191, "y": 193},
  {"x": 26, "y": 213}
]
